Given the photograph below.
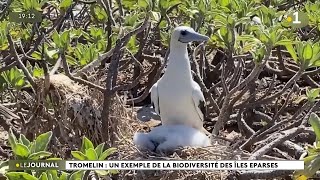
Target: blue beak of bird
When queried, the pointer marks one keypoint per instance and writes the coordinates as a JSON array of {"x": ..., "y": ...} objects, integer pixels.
[{"x": 193, "y": 36}]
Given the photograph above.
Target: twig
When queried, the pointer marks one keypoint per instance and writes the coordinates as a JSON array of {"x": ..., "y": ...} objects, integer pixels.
[
  {"x": 282, "y": 154},
  {"x": 262, "y": 115},
  {"x": 19, "y": 63},
  {"x": 223, "y": 79},
  {"x": 106, "y": 6},
  {"x": 271, "y": 128},
  {"x": 236, "y": 75},
  {"x": 244, "y": 128},
  {"x": 113, "y": 69},
  {"x": 263, "y": 174},
  {"x": 276, "y": 116},
  {"x": 154, "y": 77},
  {"x": 293, "y": 149},
  {"x": 135, "y": 81},
  {"x": 306, "y": 118},
  {"x": 278, "y": 94},
  {"x": 283, "y": 137},
  {"x": 311, "y": 81},
  {"x": 197, "y": 76},
  {"x": 94, "y": 63},
  {"x": 225, "y": 106},
  {"x": 82, "y": 81},
  {"x": 8, "y": 67}
]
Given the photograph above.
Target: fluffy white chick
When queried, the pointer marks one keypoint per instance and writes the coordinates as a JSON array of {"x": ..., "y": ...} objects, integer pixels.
[{"x": 167, "y": 138}]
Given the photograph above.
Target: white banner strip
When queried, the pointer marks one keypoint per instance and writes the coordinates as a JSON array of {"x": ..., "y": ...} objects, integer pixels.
[{"x": 185, "y": 165}]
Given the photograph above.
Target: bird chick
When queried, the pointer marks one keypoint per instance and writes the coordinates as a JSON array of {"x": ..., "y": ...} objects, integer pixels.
[{"x": 167, "y": 138}]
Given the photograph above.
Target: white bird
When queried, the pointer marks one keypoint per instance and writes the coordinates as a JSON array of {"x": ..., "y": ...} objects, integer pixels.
[
  {"x": 167, "y": 138},
  {"x": 176, "y": 97}
]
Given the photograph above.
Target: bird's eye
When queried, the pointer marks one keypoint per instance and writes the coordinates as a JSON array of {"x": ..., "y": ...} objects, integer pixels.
[{"x": 184, "y": 32}]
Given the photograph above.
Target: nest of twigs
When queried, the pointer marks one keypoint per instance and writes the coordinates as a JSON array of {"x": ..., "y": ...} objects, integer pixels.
[
  {"x": 220, "y": 150},
  {"x": 69, "y": 110},
  {"x": 77, "y": 113}
]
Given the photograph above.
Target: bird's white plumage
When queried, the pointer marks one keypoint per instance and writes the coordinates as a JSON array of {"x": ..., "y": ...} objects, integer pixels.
[
  {"x": 155, "y": 97},
  {"x": 198, "y": 97},
  {"x": 167, "y": 138},
  {"x": 176, "y": 96}
]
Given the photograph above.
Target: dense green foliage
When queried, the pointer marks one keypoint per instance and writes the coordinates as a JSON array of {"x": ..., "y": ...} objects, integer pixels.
[{"x": 80, "y": 32}]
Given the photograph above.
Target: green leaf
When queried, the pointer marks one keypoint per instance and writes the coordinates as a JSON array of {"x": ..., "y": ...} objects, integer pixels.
[
  {"x": 299, "y": 48},
  {"x": 19, "y": 83},
  {"x": 317, "y": 63},
  {"x": 284, "y": 42},
  {"x": 307, "y": 52},
  {"x": 102, "y": 172},
  {"x": 53, "y": 174},
  {"x": 86, "y": 144},
  {"x": 78, "y": 155},
  {"x": 4, "y": 166},
  {"x": 27, "y": 4},
  {"x": 20, "y": 176},
  {"x": 36, "y": 55},
  {"x": 41, "y": 142},
  {"x": 292, "y": 52},
  {"x": 316, "y": 54},
  {"x": 99, "y": 149},
  {"x": 98, "y": 13},
  {"x": 54, "y": 159},
  {"x": 96, "y": 33},
  {"x": 129, "y": 4},
  {"x": 71, "y": 60},
  {"x": 113, "y": 171},
  {"x": 40, "y": 154},
  {"x": 65, "y": 4},
  {"x": 56, "y": 38},
  {"x": 107, "y": 153},
  {"x": 312, "y": 94},
  {"x": 164, "y": 5},
  {"x": 91, "y": 154},
  {"x": 43, "y": 176},
  {"x": 12, "y": 139},
  {"x": 12, "y": 74},
  {"x": 314, "y": 120},
  {"x": 21, "y": 150},
  {"x": 65, "y": 38},
  {"x": 51, "y": 52},
  {"x": 202, "y": 6},
  {"x": 132, "y": 45},
  {"x": 143, "y": 3},
  {"x": 38, "y": 72},
  {"x": 24, "y": 140},
  {"x": 224, "y": 3},
  {"x": 76, "y": 175},
  {"x": 311, "y": 167},
  {"x": 64, "y": 176}
]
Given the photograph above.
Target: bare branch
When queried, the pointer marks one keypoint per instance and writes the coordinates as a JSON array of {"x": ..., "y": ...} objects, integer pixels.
[
  {"x": 94, "y": 63},
  {"x": 112, "y": 73},
  {"x": 285, "y": 135},
  {"x": 19, "y": 62},
  {"x": 79, "y": 80},
  {"x": 136, "y": 80}
]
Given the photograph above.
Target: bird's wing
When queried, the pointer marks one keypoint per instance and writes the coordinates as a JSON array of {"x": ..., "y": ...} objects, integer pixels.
[
  {"x": 199, "y": 101},
  {"x": 155, "y": 98}
]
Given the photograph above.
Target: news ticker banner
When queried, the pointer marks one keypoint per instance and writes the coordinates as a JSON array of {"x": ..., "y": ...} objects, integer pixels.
[{"x": 154, "y": 165}]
